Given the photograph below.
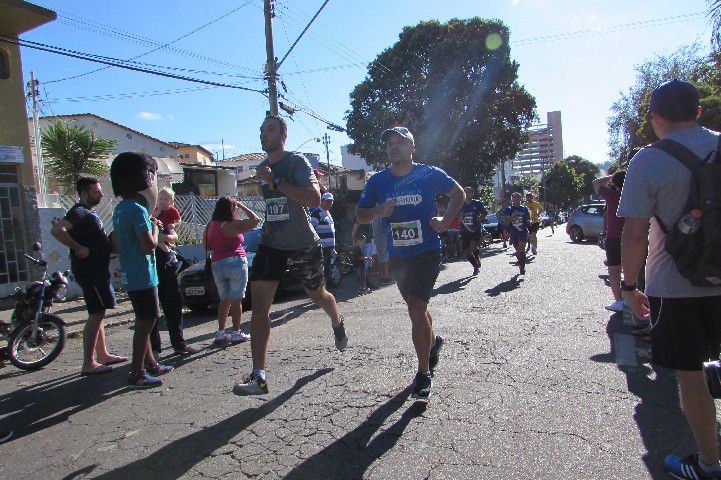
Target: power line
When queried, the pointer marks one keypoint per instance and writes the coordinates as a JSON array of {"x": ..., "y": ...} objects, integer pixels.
[
  {"x": 108, "y": 31},
  {"x": 301, "y": 34},
  {"x": 195, "y": 30},
  {"x": 115, "y": 63},
  {"x": 610, "y": 29}
]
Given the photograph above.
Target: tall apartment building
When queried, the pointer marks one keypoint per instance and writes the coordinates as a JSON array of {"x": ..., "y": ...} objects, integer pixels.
[{"x": 543, "y": 149}]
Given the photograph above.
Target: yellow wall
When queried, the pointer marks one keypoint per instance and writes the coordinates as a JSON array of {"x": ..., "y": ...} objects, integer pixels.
[
  {"x": 195, "y": 156},
  {"x": 13, "y": 121}
]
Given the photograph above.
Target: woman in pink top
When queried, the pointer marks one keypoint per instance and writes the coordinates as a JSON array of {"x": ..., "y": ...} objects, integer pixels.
[{"x": 224, "y": 237}]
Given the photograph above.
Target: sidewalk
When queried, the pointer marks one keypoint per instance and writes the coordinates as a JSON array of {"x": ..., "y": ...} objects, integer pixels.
[{"x": 75, "y": 314}]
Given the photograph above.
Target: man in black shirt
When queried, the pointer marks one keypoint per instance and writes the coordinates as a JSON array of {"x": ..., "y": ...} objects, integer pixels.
[{"x": 82, "y": 231}]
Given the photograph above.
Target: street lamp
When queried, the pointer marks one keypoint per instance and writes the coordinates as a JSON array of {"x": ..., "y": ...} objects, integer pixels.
[{"x": 315, "y": 139}]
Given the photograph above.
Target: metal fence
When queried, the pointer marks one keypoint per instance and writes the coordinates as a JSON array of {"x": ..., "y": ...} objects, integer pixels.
[{"x": 195, "y": 212}]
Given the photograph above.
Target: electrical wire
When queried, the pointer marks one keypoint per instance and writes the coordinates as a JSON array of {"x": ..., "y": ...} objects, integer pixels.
[
  {"x": 195, "y": 30},
  {"x": 115, "y": 63}
]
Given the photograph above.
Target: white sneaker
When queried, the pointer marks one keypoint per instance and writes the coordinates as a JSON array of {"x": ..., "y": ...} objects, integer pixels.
[
  {"x": 616, "y": 306},
  {"x": 239, "y": 337},
  {"x": 221, "y": 336}
]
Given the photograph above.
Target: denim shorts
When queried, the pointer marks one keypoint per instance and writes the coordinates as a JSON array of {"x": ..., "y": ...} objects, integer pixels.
[{"x": 231, "y": 277}]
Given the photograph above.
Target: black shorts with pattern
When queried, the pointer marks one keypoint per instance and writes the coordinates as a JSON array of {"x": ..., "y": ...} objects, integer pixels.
[{"x": 304, "y": 266}]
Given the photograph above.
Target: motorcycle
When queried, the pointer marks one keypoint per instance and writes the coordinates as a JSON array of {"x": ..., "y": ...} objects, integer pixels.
[
  {"x": 339, "y": 266},
  {"x": 35, "y": 336}
]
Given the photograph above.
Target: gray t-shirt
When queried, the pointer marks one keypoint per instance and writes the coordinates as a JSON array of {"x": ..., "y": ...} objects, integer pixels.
[
  {"x": 287, "y": 223},
  {"x": 658, "y": 184}
]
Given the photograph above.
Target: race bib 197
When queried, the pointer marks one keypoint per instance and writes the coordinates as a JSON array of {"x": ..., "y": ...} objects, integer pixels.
[
  {"x": 406, "y": 234},
  {"x": 276, "y": 209}
]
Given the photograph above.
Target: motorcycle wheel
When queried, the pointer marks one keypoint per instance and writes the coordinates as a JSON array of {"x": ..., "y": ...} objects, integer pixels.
[
  {"x": 335, "y": 276},
  {"x": 28, "y": 354}
]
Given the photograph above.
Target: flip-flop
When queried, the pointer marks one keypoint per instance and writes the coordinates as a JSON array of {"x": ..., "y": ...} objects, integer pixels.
[
  {"x": 99, "y": 370},
  {"x": 116, "y": 360}
]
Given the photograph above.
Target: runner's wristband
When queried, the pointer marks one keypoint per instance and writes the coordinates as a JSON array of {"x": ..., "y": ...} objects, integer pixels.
[{"x": 628, "y": 288}]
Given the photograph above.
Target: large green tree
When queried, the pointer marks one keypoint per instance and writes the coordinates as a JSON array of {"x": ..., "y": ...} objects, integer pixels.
[
  {"x": 455, "y": 86},
  {"x": 562, "y": 185},
  {"x": 628, "y": 125},
  {"x": 71, "y": 150},
  {"x": 588, "y": 171}
]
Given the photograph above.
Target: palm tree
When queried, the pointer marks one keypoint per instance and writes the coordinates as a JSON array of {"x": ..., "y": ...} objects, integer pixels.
[
  {"x": 714, "y": 14},
  {"x": 72, "y": 150}
]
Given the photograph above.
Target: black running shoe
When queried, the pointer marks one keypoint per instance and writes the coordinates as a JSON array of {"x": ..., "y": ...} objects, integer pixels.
[
  {"x": 341, "y": 339},
  {"x": 435, "y": 350},
  {"x": 422, "y": 386}
]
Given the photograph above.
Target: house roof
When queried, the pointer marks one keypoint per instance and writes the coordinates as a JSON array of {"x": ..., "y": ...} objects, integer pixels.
[
  {"x": 77, "y": 115},
  {"x": 187, "y": 145},
  {"x": 246, "y": 157}
]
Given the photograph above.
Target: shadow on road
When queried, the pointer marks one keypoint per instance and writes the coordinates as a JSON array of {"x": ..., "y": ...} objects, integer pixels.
[
  {"x": 43, "y": 405},
  {"x": 352, "y": 454},
  {"x": 661, "y": 422},
  {"x": 179, "y": 457},
  {"x": 503, "y": 287},
  {"x": 452, "y": 287}
]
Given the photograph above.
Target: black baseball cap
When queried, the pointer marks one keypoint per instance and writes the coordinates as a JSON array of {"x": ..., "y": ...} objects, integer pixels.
[{"x": 676, "y": 101}]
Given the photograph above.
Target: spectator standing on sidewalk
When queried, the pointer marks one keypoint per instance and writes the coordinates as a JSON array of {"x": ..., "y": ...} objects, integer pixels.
[
  {"x": 136, "y": 237},
  {"x": 609, "y": 188},
  {"x": 168, "y": 266},
  {"x": 82, "y": 231},
  {"x": 381, "y": 244},
  {"x": 324, "y": 225},
  {"x": 223, "y": 236},
  {"x": 684, "y": 318}
]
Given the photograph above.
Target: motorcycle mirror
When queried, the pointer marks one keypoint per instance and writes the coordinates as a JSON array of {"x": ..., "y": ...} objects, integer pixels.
[{"x": 37, "y": 246}]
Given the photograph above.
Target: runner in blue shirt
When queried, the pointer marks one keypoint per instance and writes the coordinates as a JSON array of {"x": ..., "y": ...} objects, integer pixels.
[
  {"x": 472, "y": 214},
  {"x": 404, "y": 195},
  {"x": 519, "y": 219}
]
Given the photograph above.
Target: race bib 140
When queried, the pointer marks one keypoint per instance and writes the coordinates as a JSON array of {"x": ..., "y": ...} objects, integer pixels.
[{"x": 406, "y": 234}]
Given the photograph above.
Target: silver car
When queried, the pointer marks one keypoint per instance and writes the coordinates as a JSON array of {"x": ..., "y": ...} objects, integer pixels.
[{"x": 586, "y": 222}]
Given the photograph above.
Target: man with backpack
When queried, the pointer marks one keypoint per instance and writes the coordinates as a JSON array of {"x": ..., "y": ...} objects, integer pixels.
[{"x": 670, "y": 202}]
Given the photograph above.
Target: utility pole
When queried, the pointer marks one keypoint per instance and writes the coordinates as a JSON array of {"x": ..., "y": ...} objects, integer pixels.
[
  {"x": 326, "y": 142},
  {"x": 270, "y": 65},
  {"x": 33, "y": 93},
  {"x": 222, "y": 144}
]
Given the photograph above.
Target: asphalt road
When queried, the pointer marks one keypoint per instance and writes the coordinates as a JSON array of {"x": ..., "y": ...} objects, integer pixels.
[{"x": 529, "y": 386}]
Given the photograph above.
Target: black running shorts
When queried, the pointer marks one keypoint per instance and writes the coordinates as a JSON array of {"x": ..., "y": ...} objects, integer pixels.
[
  {"x": 145, "y": 303},
  {"x": 533, "y": 228},
  {"x": 468, "y": 237},
  {"x": 685, "y": 332},
  {"x": 304, "y": 266},
  {"x": 416, "y": 276},
  {"x": 613, "y": 252}
]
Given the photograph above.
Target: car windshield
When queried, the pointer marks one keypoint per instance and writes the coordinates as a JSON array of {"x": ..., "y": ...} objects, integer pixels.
[
  {"x": 251, "y": 240},
  {"x": 491, "y": 219}
]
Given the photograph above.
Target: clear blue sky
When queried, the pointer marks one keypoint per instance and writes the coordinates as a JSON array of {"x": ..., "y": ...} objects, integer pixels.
[{"x": 580, "y": 76}]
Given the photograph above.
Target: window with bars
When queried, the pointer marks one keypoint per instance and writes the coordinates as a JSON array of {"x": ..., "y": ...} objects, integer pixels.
[{"x": 13, "y": 267}]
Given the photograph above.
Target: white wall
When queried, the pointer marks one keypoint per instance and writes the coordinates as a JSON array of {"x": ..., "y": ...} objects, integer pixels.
[
  {"x": 126, "y": 139},
  {"x": 353, "y": 162}
]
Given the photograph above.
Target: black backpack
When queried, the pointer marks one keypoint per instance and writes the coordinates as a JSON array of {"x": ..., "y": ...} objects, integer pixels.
[{"x": 697, "y": 254}]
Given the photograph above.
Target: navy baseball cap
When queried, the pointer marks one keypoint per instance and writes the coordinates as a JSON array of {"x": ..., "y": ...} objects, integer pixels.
[
  {"x": 675, "y": 100},
  {"x": 402, "y": 131}
]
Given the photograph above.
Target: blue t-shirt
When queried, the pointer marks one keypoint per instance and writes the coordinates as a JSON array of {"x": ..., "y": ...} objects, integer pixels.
[
  {"x": 519, "y": 218},
  {"x": 130, "y": 220},
  {"x": 472, "y": 215},
  {"x": 408, "y": 229}
]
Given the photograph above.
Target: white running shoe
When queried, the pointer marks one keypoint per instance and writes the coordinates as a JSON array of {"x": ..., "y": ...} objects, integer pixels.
[
  {"x": 221, "y": 336},
  {"x": 616, "y": 306},
  {"x": 239, "y": 337}
]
